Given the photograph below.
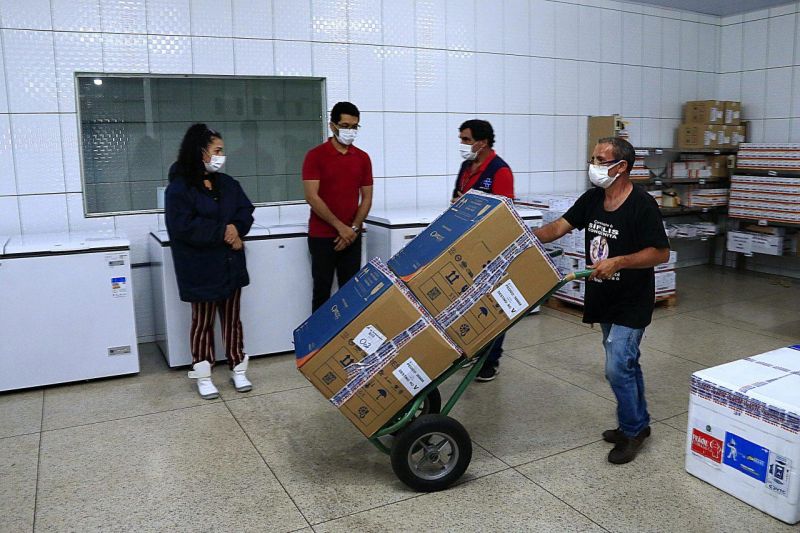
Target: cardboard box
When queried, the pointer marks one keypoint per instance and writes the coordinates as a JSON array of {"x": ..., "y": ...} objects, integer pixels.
[
  {"x": 736, "y": 134},
  {"x": 697, "y": 136},
  {"x": 704, "y": 112},
  {"x": 720, "y": 165},
  {"x": 743, "y": 435},
  {"x": 372, "y": 308},
  {"x": 454, "y": 268},
  {"x": 733, "y": 113}
]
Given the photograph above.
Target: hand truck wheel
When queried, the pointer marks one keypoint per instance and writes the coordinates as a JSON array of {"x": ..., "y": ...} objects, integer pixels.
[
  {"x": 432, "y": 404},
  {"x": 431, "y": 453}
]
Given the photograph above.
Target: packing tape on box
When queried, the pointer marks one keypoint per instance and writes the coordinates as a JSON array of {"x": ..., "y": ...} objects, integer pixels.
[
  {"x": 484, "y": 281},
  {"x": 740, "y": 403},
  {"x": 757, "y": 384},
  {"x": 361, "y": 372}
]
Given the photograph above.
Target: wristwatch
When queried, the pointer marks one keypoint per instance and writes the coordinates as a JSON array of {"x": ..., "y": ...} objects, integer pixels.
[{"x": 355, "y": 228}]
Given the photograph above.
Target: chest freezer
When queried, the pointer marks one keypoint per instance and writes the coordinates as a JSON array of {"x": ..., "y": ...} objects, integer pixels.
[
  {"x": 277, "y": 300},
  {"x": 390, "y": 229},
  {"x": 66, "y": 312}
]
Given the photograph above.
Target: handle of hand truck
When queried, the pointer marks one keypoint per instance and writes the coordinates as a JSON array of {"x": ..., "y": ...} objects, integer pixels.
[{"x": 580, "y": 274}]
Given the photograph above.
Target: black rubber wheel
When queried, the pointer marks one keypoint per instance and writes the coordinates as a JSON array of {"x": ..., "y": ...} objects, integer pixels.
[
  {"x": 431, "y": 453},
  {"x": 432, "y": 404}
]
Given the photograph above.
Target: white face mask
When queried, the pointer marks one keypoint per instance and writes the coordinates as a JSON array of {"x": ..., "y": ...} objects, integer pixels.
[
  {"x": 466, "y": 152},
  {"x": 215, "y": 164},
  {"x": 346, "y": 137},
  {"x": 598, "y": 175}
]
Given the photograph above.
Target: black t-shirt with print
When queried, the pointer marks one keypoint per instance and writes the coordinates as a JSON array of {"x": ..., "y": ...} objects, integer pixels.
[{"x": 628, "y": 297}]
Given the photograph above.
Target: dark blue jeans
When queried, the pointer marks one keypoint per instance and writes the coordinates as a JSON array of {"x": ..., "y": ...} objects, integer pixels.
[
  {"x": 496, "y": 351},
  {"x": 625, "y": 376}
]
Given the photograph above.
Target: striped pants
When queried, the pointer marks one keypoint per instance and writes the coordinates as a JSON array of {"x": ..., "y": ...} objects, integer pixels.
[{"x": 202, "y": 334}]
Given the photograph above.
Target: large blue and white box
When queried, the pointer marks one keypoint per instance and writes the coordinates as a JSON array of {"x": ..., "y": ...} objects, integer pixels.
[{"x": 744, "y": 430}]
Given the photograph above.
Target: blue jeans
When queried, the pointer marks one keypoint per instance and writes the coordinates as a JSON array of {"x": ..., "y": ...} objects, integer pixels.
[
  {"x": 496, "y": 351},
  {"x": 625, "y": 376}
]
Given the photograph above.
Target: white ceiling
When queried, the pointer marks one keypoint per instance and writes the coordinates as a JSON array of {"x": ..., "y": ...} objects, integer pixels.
[{"x": 720, "y": 8}]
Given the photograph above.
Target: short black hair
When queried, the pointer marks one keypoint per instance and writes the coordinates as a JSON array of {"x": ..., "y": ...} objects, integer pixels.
[
  {"x": 343, "y": 108},
  {"x": 621, "y": 149},
  {"x": 481, "y": 130},
  {"x": 190, "y": 155}
]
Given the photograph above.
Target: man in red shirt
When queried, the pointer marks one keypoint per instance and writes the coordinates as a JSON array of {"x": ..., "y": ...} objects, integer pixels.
[
  {"x": 337, "y": 181},
  {"x": 485, "y": 171}
]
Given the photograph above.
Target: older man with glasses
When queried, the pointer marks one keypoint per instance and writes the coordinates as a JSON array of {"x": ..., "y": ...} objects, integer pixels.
[
  {"x": 625, "y": 239},
  {"x": 337, "y": 181}
]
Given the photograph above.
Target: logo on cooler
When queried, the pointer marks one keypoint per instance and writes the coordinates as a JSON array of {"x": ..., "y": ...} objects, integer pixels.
[{"x": 706, "y": 445}]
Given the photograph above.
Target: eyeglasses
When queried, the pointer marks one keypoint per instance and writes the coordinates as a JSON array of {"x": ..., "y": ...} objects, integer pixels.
[
  {"x": 595, "y": 161},
  {"x": 348, "y": 126}
]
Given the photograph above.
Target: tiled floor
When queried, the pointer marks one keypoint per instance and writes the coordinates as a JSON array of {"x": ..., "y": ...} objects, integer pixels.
[{"x": 146, "y": 453}]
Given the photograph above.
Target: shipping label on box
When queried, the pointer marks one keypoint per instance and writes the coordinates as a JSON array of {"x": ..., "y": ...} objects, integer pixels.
[
  {"x": 733, "y": 113},
  {"x": 387, "y": 352},
  {"x": 465, "y": 254}
]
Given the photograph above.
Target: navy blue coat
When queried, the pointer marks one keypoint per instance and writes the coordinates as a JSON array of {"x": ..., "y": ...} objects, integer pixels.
[{"x": 207, "y": 269}]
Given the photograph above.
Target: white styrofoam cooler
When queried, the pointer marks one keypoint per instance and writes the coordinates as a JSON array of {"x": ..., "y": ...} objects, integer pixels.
[{"x": 744, "y": 430}]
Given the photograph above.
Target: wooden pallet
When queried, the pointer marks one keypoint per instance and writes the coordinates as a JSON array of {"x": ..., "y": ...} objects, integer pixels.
[{"x": 577, "y": 310}]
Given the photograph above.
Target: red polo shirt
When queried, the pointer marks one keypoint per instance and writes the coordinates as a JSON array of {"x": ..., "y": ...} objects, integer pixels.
[
  {"x": 341, "y": 177},
  {"x": 503, "y": 184}
]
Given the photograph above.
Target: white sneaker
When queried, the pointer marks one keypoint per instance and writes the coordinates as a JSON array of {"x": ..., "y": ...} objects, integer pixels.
[
  {"x": 238, "y": 377},
  {"x": 202, "y": 373}
]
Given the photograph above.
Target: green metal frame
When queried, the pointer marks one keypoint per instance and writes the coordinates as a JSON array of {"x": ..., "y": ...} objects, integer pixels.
[{"x": 414, "y": 405}]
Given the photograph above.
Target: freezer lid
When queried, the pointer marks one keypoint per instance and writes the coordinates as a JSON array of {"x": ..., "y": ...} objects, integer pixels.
[
  {"x": 256, "y": 232},
  {"x": 283, "y": 230},
  {"x": 405, "y": 216},
  {"x": 55, "y": 243},
  {"x": 528, "y": 213}
]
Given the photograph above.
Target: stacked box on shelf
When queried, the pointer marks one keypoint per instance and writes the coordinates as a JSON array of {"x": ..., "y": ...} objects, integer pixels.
[
  {"x": 553, "y": 207},
  {"x": 708, "y": 197},
  {"x": 575, "y": 292},
  {"x": 710, "y": 124},
  {"x": 754, "y": 242},
  {"x": 769, "y": 156},
  {"x": 771, "y": 198},
  {"x": 692, "y": 230},
  {"x": 657, "y": 195},
  {"x": 639, "y": 170}
]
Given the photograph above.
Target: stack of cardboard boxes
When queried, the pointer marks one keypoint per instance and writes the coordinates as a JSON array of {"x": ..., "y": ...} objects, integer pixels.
[
  {"x": 768, "y": 198},
  {"x": 450, "y": 291},
  {"x": 769, "y": 156},
  {"x": 574, "y": 292},
  {"x": 711, "y": 125},
  {"x": 762, "y": 240}
]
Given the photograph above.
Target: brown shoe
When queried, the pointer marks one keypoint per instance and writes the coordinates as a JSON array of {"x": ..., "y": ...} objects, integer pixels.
[{"x": 626, "y": 449}]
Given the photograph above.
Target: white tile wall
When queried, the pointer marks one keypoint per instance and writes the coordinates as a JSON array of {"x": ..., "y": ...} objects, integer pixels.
[
  {"x": 33, "y": 15},
  {"x": 9, "y": 216},
  {"x": 169, "y": 17},
  {"x": 30, "y": 71},
  {"x": 37, "y": 154},
  {"x": 416, "y": 68},
  {"x": 8, "y": 180},
  {"x": 124, "y": 16},
  {"x": 76, "y": 15},
  {"x": 169, "y": 54}
]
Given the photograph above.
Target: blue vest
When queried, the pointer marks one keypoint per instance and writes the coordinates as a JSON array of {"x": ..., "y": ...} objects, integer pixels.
[{"x": 486, "y": 179}]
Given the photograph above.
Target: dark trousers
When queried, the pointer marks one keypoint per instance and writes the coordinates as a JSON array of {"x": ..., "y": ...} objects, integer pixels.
[
  {"x": 497, "y": 350},
  {"x": 325, "y": 262}
]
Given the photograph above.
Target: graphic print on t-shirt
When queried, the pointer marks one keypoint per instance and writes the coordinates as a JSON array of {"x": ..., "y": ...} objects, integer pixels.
[{"x": 599, "y": 247}]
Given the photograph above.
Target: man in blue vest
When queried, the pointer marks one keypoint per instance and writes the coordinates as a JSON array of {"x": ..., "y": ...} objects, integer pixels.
[{"x": 483, "y": 170}]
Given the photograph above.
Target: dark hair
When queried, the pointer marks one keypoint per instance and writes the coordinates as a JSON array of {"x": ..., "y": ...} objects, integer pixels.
[
  {"x": 343, "y": 108},
  {"x": 481, "y": 130},
  {"x": 190, "y": 154},
  {"x": 621, "y": 149}
]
